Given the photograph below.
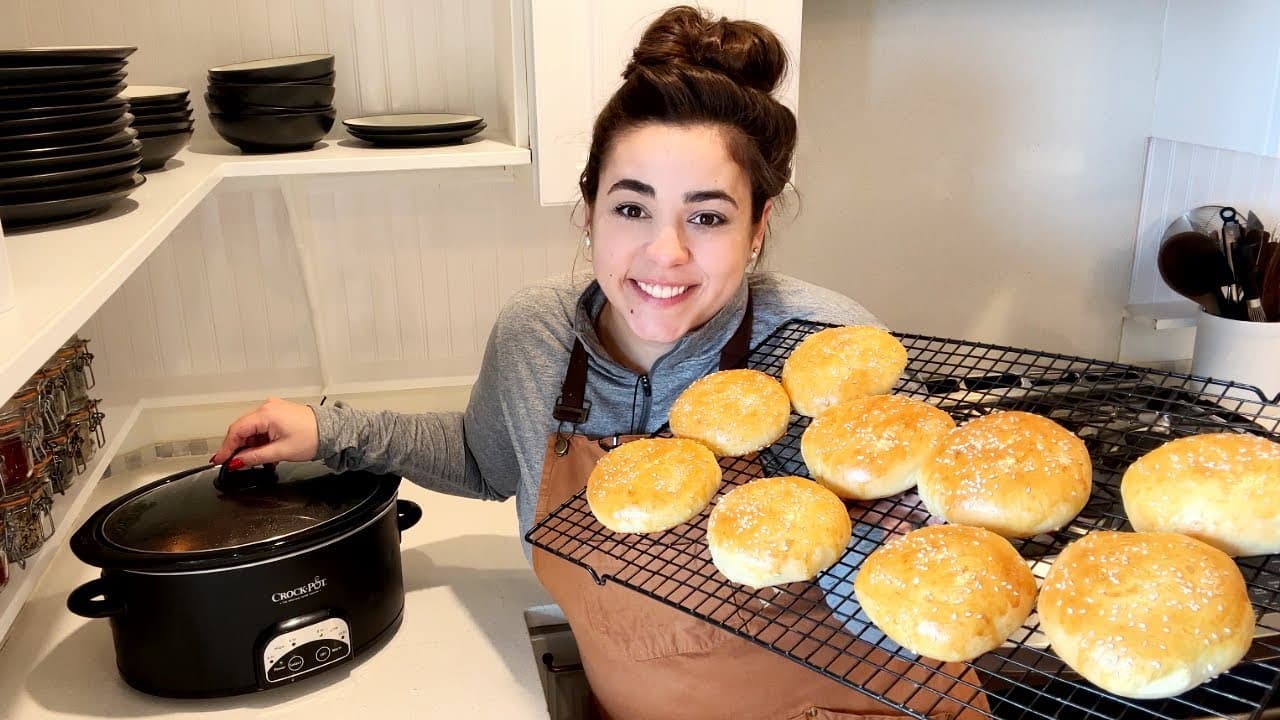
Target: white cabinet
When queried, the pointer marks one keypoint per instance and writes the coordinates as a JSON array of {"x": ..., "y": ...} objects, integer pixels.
[{"x": 579, "y": 49}]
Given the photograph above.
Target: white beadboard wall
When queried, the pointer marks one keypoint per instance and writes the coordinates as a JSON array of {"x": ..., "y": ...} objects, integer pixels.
[
  {"x": 391, "y": 55},
  {"x": 1181, "y": 176},
  {"x": 409, "y": 271},
  {"x": 219, "y": 304},
  {"x": 412, "y": 270}
]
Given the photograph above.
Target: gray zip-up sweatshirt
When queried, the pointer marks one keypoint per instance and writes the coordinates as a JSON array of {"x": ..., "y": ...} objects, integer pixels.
[{"x": 494, "y": 449}]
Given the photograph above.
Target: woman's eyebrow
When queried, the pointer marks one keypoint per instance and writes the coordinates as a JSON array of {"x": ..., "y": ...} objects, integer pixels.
[
  {"x": 698, "y": 196},
  {"x": 633, "y": 185}
]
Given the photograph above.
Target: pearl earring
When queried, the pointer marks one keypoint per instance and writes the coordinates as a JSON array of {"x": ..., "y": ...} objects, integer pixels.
[{"x": 586, "y": 239}]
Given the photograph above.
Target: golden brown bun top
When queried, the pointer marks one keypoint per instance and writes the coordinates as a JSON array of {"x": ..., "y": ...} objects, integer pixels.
[
  {"x": 1025, "y": 464},
  {"x": 1222, "y": 488},
  {"x": 1130, "y": 603},
  {"x": 876, "y": 434},
  {"x": 780, "y": 514},
  {"x": 947, "y": 591},
  {"x": 651, "y": 475},
  {"x": 842, "y": 363},
  {"x": 732, "y": 411}
]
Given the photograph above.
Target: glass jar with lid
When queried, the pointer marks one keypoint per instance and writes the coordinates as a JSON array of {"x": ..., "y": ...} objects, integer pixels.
[
  {"x": 16, "y": 455},
  {"x": 65, "y": 448},
  {"x": 85, "y": 424},
  {"x": 77, "y": 369},
  {"x": 28, "y": 523},
  {"x": 53, "y": 393}
]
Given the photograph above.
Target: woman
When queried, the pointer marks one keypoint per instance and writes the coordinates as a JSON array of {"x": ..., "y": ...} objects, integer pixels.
[{"x": 685, "y": 162}]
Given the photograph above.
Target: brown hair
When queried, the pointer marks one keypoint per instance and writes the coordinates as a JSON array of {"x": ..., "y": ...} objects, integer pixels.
[{"x": 690, "y": 69}]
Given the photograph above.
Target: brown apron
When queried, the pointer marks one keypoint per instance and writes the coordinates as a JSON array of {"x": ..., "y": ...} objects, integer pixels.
[{"x": 646, "y": 660}]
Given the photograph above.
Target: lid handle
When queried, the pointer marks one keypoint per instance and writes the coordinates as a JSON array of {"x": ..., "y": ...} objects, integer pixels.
[{"x": 246, "y": 479}]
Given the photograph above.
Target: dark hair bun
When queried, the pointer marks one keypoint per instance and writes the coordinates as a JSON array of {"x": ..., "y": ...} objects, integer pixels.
[{"x": 748, "y": 53}]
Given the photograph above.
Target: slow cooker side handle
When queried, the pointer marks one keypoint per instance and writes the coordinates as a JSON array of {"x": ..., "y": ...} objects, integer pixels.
[
  {"x": 408, "y": 513},
  {"x": 94, "y": 599}
]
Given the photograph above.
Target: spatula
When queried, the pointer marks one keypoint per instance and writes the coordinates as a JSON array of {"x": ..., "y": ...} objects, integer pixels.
[{"x": 1193, "y": 265}]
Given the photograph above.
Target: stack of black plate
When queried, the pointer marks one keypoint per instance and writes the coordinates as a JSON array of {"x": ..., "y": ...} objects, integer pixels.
[
  {"x": 273, "y": 105},
  {"x": 162, "y": 117},
  {"x": 66, "y": 148},
  {"x": 415, "y": 129}
]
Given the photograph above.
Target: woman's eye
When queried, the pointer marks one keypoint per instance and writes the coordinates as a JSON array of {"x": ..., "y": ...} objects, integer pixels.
[
  {"x": 632, "y": 212},
  {"x": 708, "y": 219}
]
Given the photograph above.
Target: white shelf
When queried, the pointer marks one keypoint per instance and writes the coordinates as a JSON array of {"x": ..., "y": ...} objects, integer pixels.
[
  {"x": 62, "y": 275},
  {"x": 67, "y": 511},
  {"x": 1164, "y": 315}
]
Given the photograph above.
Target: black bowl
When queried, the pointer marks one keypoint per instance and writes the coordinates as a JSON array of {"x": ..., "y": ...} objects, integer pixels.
[
  {"x": 234, "y": 108},
  {"x": 157, "y": 149},
  {"x": 283, "y": 95},
  {"x": 274, "y": 70},
  {"x": 273, "y": 133}
]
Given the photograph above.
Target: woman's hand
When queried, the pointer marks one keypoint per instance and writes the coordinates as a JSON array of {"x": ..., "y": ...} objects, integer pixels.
[{"x": 279, "y": 430}]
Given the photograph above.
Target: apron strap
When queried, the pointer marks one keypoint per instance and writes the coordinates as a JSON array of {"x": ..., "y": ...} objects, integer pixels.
[
  {"x": 572, "y": 406},
  {"x": 734, "y": 353}
]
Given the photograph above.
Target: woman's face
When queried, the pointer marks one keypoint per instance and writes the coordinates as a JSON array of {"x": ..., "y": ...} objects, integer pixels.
[{"x": 671, "y": 231}]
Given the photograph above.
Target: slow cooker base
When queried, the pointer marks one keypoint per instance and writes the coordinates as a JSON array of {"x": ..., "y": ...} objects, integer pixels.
[{"x": 359, "y": 654}]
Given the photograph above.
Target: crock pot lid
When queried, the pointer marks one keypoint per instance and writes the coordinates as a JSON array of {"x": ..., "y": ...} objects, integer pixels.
[{"x": 191, "y": 514}]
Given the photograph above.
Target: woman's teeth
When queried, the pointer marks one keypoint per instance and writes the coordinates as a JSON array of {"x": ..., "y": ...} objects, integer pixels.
[{"x": 662, "y": 292}]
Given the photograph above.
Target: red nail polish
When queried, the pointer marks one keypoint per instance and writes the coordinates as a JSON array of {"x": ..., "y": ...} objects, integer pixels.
[{"x": 235, "y": 464}]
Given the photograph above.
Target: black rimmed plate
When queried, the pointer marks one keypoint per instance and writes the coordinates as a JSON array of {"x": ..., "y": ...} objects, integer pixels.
[
  {"x": 42, "y": 123},
  {"x": 57, "y": 178},
  {"x": 46, "y": 110},
  {"x": 73, "y": 160},
  {"x": 419, "y": 139},
  {"x": 69, "y": 136},
  {"x": 48, "y": 211},
  {"x": 69, "y": 188},
  {"x": 64, "y": 149},
  {"x": 274, "y": 70},
  {"x": 411, "y": 123},
  {"x": 70, "y": 97},
  {"x": 66, "y": 55},
  {"x": 146, "y": 95},
  {"x": 44, "y": 88},
  {"x": 56, "y": 73}
]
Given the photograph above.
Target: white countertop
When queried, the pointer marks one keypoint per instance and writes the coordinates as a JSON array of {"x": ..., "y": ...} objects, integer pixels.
[{"x": 462, "y": 651}]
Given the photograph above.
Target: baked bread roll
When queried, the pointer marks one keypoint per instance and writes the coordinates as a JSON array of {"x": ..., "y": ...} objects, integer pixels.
[
  {"x": 1146, "y": 615},
  {"x": 733, "y": 412},
  {"x": 652, "y": 484},
  {"x": 873, "y": 447},
  {"x": 842, "y": 363},
  {"x": 947, "y": 592},
  {"x": 1222, "y": 488},
  {"x": 1016, "y": 473},
  {"x": 777, "y": 530}
]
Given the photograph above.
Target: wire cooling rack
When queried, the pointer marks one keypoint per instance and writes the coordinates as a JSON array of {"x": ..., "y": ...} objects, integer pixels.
[{"x": 1120, "y": 412}]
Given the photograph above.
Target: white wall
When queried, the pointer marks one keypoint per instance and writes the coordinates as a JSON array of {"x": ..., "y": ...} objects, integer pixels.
[
  {"x": 973, "y": 169},
  {"x": 1219, "y": 73}
]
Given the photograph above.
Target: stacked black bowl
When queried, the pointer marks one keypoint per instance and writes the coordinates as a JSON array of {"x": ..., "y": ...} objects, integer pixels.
[
  {"x": 66, "y": 148},
  {"x": 162, "y": 117},
  {"x": 273, "y": 105}
]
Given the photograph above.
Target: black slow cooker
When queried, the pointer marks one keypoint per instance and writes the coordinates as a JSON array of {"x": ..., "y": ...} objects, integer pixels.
[{"x": 221, "y": 583}]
